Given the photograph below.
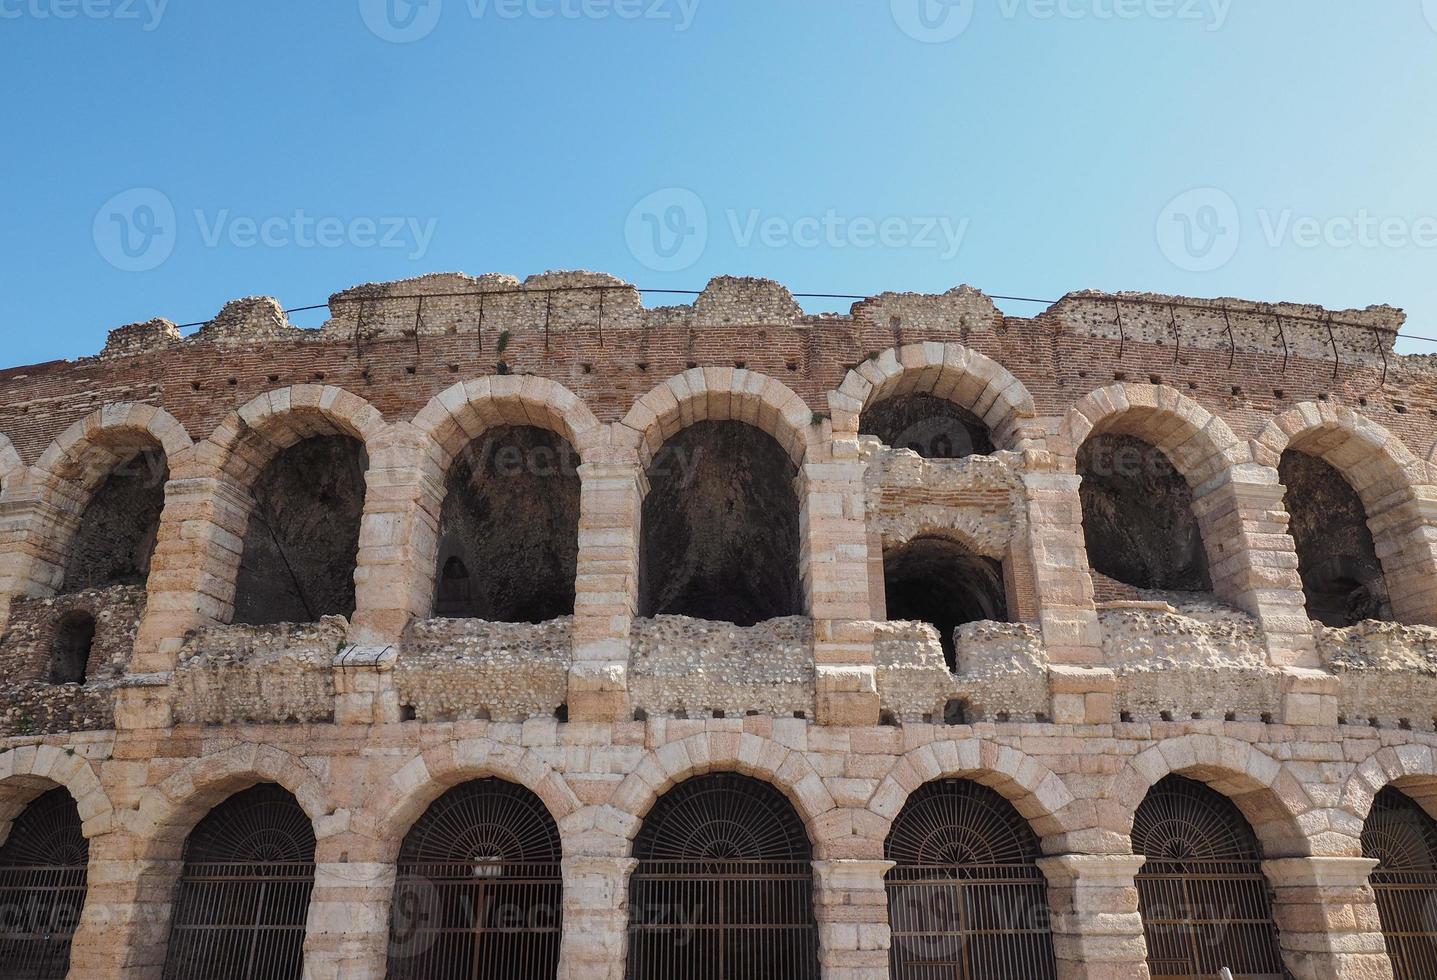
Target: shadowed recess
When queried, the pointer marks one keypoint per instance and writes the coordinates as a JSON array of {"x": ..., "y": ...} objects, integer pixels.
[
  {"x": 509, "y": 529},
  {"x": 1341, "y": 576},
  {"x": 937, "y": 581},
  {"x": 118, "y": 527},
  {"x": 1138, "y": 516},
  {"x": 720, "y": 528},
  {"x": 930, "y": 426},
  {"x": 302, "y": 543},
  {"x": 43, "y": 880}
]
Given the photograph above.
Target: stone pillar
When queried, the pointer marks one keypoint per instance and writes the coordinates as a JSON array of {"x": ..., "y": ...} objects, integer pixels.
[
  {"x": 398, "y": 537},
  {"x": 606, "y": 590},
  {"x": 595, "y": 942},
  {"x": 833, "y": 556},
  {"x": 851, "y": 906},
  {"x": 347, "y": 932},
  {"x": 195, "y": 563},
  {"x": 1059, "y": 559},
  {"x": 125, "y": 928},
  {"x": 1327, "y": 918},
  {"x": 1252, "y": 558},
  {"x": 30, "y": 558},
  {"x": 1404, "y": 532},
  {"x": 364, "y": 689},
  {"x": 1097, "y": 930}
]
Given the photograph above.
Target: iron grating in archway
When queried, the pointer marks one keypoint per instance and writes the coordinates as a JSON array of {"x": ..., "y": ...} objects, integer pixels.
[
  {"x": 479, "y": 891},
  {"x": 1403, "y": 839},
  {"x": 723, "y": 888},
  {"x": 244, "y": 892},
  {"x": 966, "y": 900},
  {"x": 1204, "y": 900},
  {"x": 42, "y": 888}
]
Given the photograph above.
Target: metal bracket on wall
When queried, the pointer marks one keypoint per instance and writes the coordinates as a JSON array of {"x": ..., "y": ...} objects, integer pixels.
[
  {"x": 1122, "y": 331},
  {"x": 1231, "y": 340},
  {"x": 1332, "y": 339},
  {"x": 1377, "y": 338},
  {"x": 1177, "y": 333},
  {"x": 1281, "y": 335}
]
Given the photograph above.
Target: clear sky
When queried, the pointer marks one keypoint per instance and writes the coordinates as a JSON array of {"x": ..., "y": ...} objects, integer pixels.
[{"x": 164, "y": 156}]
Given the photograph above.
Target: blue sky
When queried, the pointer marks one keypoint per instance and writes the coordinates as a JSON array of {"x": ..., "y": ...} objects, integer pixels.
[{"x": 163, "y": 156}]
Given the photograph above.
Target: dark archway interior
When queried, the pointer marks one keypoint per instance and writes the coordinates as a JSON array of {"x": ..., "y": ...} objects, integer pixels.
[
  {"x": 302, "y": 543},
  {"x": 930, "y": 426},
  {"x": 1341, "y": 576},
  {"x": 74, "y": 639},
  {"x": 43, "y": 875},
  {"x": 720, "y": 528},
  {"x": 936, "y": 581},
  {"x": 1138, "y": 516},
  {"x": 118, "y": 527},
  {"x": 509, "y": 529}
]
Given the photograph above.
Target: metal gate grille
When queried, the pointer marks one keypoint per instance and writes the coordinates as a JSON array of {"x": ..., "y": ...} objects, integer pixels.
[
  {"x": 480, "y": 893},
  {"x": 1204, "y": 900},
  {"x": 1403, "y": 839},
  {"x": 966, "y": 900},
  {"x": 42, "y": 888},
  {"x": 723, "y": 889},
  {"x": 244, "y": 892}
]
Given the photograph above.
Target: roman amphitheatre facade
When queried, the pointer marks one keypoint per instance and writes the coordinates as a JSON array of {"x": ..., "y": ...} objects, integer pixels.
[{"x": 519, "y": 629}]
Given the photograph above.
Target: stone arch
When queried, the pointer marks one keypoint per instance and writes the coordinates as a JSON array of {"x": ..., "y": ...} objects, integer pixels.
[
  {"x": 65, "y": 477},
  {"x": 460, "y": 414},
  {"x": 408, "y": 792},
  {"x": 1201, "y": 445},
  {"x": 719, "y": 394},
  {"x": 787, "y": 770},
  {"x": 11, "y": 466},
  {"x": 170, "y": 810},
  {"x": 250, "y": 437},
  {"x": 1035, "y": 791},
  {"x": 953, "y": 372},
  {"x": 1273, "y": 800},
  {"x": 1411, "y": 768},
  {"x": 29, "y": 770},
  {"x": 1385, "y": 475}
]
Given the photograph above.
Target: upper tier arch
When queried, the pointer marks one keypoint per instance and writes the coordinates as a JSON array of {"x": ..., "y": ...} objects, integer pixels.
[{"x": 457, "y": 416}]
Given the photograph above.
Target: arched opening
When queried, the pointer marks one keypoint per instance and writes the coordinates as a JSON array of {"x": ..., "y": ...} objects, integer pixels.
[
  {"x": 1204, "y": 901},
  {"x": 1402, "y": 838},
  {"x": 723, "y": 888},
  {"x": 720, "y": 527},
  {"x": 932, "y": 427},
  {"x": 42, "y": 888},
  {"x": 243, "y": 895},
  {"x": 509, "y": 529},
  {"x": 118, "y": 528},
  {"x": 302, "y": 543},
  {"x": 937, "y": 581},
  {"x": 479, "y": 892},
  {"x": 74, "y": 640},
  {"x": 1341, "y": 575},
  {"x": 1138, "y": 518},
  {"x": 965, "y": 897}
]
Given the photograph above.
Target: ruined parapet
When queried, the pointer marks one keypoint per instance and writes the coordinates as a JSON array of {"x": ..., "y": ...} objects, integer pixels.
[
  {"x": 691, "y": 668},
  {"x": 914, "y": 682},
  {"x": 1387, "y": 673},
  {"x": 1293, "y": 329},
  {"x": 466, "y": 669},
  {"x": 965, "y": 308},
  {"x": 739, "y": 300},
  {"x": 142, "y": 338},
  {"x": 1199, "y": 660},
  {"x": 978, "y": 497},
  {"x": 250, "y": 320},
  {"x": 258, "y": 674}
]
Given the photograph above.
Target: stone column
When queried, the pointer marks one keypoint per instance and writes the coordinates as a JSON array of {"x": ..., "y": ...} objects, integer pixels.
[
  {"x": 347, "y": 932},
  {"x": 125, "y": 928},
  {"x": 833, "y": 556},
  {"x": 1327, "y": 918},
  {"x": 851, "y": 906},
  {"x": 596, "y": 918},
  {"x": 1097, "y": 930},
  {"x": 1404, "y": 531},
  {"x": 31, "y": 532},
  {"x": 606, "y": 589}
]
